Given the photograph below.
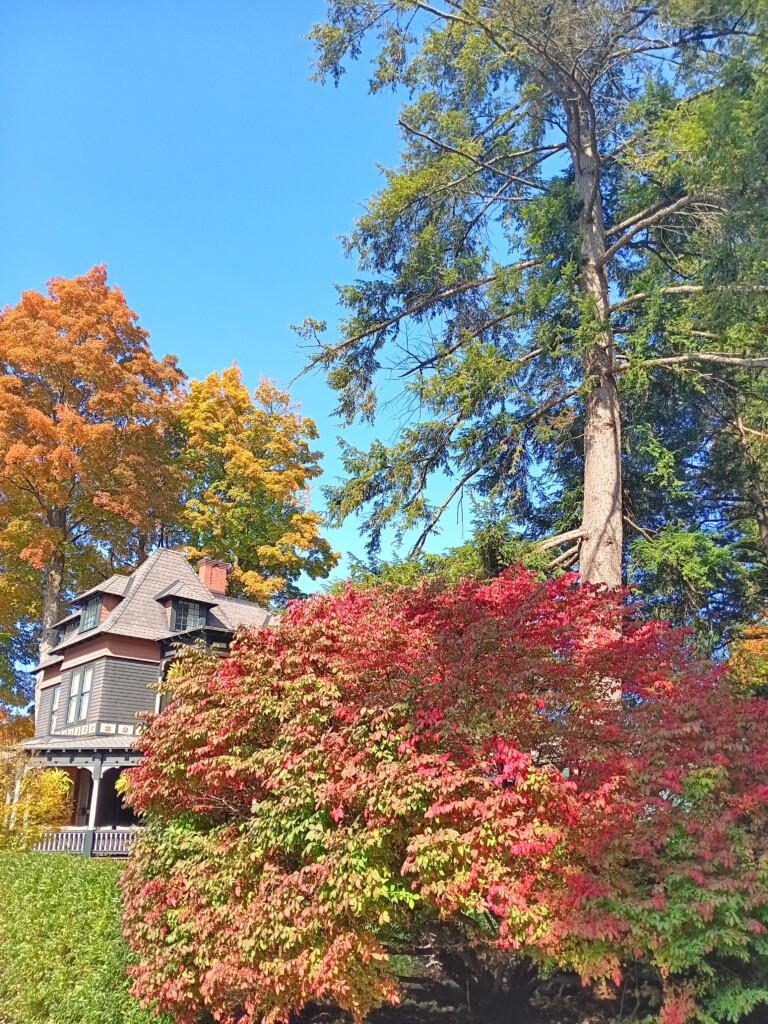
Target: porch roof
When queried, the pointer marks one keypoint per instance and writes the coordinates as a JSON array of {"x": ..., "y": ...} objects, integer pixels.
[{"x": 72, "y": 743}]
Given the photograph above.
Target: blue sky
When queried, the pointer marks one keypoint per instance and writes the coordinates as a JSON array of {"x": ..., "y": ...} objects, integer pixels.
[{"x": 182, "y": 144}]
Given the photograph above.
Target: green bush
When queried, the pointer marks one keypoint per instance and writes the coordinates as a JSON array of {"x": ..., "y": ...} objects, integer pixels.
[{"x": 62, "y": 953}]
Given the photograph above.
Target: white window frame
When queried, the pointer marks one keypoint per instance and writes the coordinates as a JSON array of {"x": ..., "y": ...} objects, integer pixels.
[
  {"x": 75, "y": 681},
  {"x": 54, "y": 709},
  {"x": 85, "y": 693},
  {"x": 80, "y": 685}
]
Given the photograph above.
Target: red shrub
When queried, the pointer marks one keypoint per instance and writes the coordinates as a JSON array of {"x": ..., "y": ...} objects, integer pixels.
[{"x": 396, "y": 763}]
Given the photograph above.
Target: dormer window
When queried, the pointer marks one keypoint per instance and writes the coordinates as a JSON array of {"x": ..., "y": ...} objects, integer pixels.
[
  {"x": 69, "y": 627},
  {"x": 186, "y": 615},
  {"x": 91, "y": 613}
]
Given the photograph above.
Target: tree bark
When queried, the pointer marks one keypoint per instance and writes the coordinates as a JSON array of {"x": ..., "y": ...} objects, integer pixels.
[
  {"x": 761, "y": 515},
  {"x": 601, "y": 549},
  {"x": 53, "y": 584}
]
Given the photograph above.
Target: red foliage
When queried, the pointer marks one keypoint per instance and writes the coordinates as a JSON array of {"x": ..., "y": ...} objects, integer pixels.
[{"x": 389, "y": 759}]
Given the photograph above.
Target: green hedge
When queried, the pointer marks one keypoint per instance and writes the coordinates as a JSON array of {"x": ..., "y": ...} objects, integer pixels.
[{"x": 62, "y": 954}]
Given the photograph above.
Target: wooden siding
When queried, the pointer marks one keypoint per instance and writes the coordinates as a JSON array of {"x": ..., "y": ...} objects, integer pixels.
[
  {"x": 43, "y": 712},
  {"x": 108, "y": 604},
  {"x": 51, "y": 676},
  {"x": 113, "y": 645},
  {"x": 66, "y": 684},
  {"x": 122, "y": 690}
]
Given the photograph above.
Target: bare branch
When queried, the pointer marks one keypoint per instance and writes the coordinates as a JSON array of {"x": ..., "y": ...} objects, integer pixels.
[
  {"x": 704, "y": 357},
  {"x": 567, "y": 556},
  {"x": 486, "y": 165},
  {"x": 636, "y": 526},
  {"x": 684, "y": 289},
  {"x": 652, "y": 216},
  {"x": 561, "y": 538}
]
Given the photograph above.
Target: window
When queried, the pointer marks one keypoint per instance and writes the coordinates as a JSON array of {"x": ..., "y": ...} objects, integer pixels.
[
  {"x": 54, "y": 710},
  {"x": 85, "y": 693},
  {"x": 90, "y": 616},
  {"x": 186, "y": 615},
  {"x": 69, "y": 628},
  {"x": 79, "y": 694}
]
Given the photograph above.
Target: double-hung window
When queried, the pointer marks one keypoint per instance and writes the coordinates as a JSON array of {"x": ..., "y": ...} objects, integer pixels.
[
  {"x": 79, "y": 694},
  {"x": 54, "y": 710},
  {"x": 90, "y": 615}
]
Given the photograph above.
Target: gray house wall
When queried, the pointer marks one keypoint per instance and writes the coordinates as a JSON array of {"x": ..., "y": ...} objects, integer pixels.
[
  {"x": 66, "y": 684},
  {"x": 118, "y": 691},
  {"x": 122, "y": 690},
  {"x": 43, "y": 712}
]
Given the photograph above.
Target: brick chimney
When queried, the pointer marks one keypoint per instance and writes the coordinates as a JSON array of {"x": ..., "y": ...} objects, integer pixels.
[{"x": 213, "y": 574}]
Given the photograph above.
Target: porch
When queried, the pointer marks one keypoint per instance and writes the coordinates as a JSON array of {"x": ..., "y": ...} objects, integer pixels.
[
  {"x": 100, "y": 824},
  {"x": 107, "y": 841}
]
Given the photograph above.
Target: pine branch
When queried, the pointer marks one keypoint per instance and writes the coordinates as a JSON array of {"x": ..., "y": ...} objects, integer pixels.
[
  {"x": 704, "y": 357},
  {"x": 567, "y": 557},
  {"x": 649, "y": 217},
  {"x": 684, "y": 289},
  {"x": 526, "y": 421}
]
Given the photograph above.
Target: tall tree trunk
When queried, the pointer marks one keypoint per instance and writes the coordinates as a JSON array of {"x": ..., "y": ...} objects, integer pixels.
[
  {"x": 600, "y": 559},
  {"x": 53, "y": 584},
  {"x": 761, "y": 515}
]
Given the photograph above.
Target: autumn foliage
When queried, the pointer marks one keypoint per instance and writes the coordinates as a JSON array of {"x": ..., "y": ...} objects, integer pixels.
[
  {"x": 249, "y": 467},
  {"x": 84, "y": 412},
  {"x": 446, "y": 766}
]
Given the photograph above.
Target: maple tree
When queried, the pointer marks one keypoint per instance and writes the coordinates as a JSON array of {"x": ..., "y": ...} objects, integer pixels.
[
  {"x": 442, "y": 767},
  {"x": 84, "y": 413},
  {"x": 249, "y": 468}
]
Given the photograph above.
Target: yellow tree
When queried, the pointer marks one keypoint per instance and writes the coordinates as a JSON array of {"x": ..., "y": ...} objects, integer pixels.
[
  {"x": 749, "y": 658},
  {"x": 31, "y": 802},
  {"x": 84, "y": 413},
  {"x": 249, "y": 468}
]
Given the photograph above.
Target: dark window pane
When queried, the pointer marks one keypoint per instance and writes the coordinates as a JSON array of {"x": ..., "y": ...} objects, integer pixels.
[
  {"x": 85, "y": 693},
  {"x": 187, "y": 615},
  {"x": 74, "y": 693},
  {"x": 90, "y": 616},
  {"x": 54, "y": 710}
]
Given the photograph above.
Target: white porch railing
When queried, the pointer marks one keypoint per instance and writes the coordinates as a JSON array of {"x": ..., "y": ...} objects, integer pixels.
[{"x": 91, "y": 842}]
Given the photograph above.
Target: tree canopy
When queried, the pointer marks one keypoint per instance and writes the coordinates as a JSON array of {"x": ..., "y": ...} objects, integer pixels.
[
  {"x": 85, "y": 410},
  {"x": 248, "y": 470},
  {"x": 565, "y": 274},
  {"x": 105, "y": 454},
  {"x": 442, "y": 771}
]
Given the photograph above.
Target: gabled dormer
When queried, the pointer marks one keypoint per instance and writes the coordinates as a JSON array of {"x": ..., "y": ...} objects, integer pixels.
[
  {"x": 186, "y": 605},
  {"x": 92, "y": 608}
]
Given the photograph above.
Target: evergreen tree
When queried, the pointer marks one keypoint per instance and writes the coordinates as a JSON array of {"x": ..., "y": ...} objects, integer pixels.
[{"x": 566, "y": 268}]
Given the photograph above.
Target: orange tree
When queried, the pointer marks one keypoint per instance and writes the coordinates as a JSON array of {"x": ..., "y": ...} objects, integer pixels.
[
  {"x": 249, "y": 468},
  {"x": 444, "y": 767},
  {"x": 84, "y": 411}
]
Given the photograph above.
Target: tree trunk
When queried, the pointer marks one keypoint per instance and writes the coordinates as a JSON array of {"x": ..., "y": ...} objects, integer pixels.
[
  {"x": 760, "y": 514},
  {"x": 600, "y": 559},
  {"x": 53, "y": 584}
]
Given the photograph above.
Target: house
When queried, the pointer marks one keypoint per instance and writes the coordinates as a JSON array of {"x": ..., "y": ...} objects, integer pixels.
[{"x": 110, "y": 652}]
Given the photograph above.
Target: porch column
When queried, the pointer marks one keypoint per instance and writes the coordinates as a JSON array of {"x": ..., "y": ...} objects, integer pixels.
[
  {"x": 96, "y": 775},
  {"x": 15, "y": 798}
]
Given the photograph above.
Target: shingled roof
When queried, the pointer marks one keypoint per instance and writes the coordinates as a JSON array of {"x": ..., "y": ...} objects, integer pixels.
[{"x": 141, "y": 612}]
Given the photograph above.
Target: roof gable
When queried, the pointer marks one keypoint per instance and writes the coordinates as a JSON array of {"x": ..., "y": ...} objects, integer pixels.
[{"x": 164, "y": 575}]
